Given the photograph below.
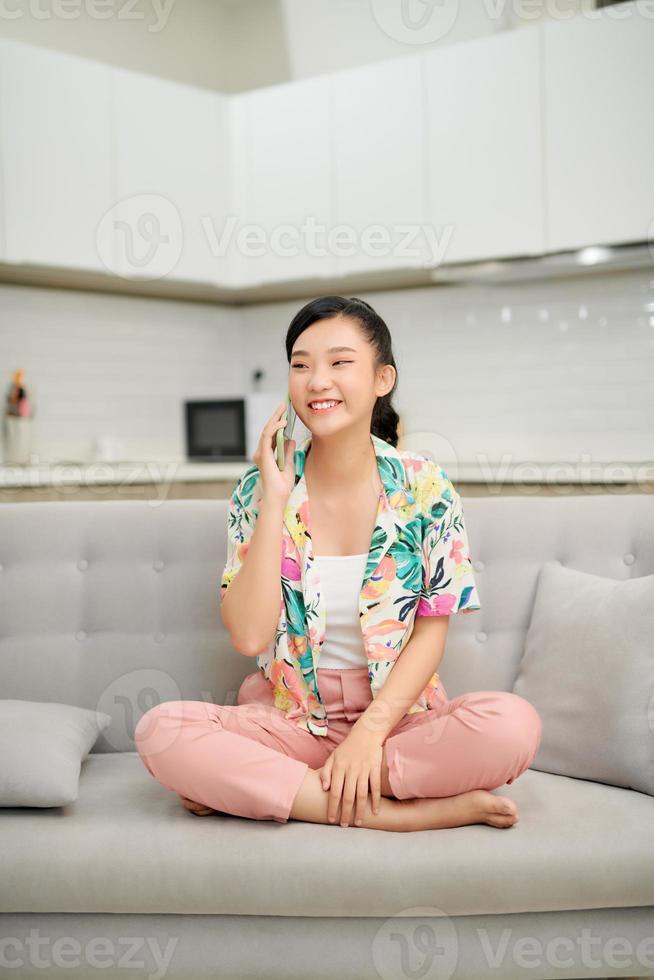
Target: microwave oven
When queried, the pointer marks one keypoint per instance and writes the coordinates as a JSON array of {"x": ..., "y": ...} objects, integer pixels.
[{"x": 215, "y": 430}]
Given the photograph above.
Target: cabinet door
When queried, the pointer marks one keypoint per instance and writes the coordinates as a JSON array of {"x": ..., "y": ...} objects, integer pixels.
[
  {"x": 281, "y": 182},
  {"x": 379, "y": 166},
  {"x": 171, "y": 179},
  {"x": 599, "y": 99},
  {"x": 55, "y": 145},
  {"x": 484, "y": 147}
]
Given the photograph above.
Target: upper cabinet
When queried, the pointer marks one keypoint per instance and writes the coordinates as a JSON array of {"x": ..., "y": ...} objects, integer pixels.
[
  {"x": 282, "y": 193},
  {"x": 484, "y": 136},
  {"x": 530, "y": 141},
  {"x": 171, "y": 180},
  {"x": 378, "y": 160},
  {"x": 55, "y": 147},
  {"x": 599, "y": 127}
]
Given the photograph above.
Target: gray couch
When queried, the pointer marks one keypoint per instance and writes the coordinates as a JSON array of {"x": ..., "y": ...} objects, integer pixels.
[{"x": 114, "y": 606}]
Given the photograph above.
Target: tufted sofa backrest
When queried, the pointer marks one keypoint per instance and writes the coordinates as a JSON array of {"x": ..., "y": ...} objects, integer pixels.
[{"x": 114, "y": 605}]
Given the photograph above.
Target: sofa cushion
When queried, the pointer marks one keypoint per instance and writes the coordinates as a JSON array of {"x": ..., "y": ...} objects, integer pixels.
[
  {"x": 42, "y": 744},
  {"x": 588, "y": 669},
  {"x": 128, "y": 845}
]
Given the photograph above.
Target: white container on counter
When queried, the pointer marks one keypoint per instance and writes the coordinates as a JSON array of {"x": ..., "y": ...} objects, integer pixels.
[{"x": 17, "y": 440}]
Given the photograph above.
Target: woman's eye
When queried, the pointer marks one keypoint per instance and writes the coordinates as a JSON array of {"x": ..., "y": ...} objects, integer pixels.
[{"x": 335, "y": 362}]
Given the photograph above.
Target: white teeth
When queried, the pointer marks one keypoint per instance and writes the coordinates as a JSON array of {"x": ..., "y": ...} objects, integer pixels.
[{"x": 323, "y": 404}]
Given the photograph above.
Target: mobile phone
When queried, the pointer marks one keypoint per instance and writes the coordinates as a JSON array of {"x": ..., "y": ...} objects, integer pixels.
[{"x": 286, "y": 432}]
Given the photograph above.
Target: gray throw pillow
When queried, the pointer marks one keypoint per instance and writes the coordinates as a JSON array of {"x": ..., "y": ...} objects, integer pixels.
[
  {"x": 42, "y": 744},
  {"x": 588, "y": 669}
]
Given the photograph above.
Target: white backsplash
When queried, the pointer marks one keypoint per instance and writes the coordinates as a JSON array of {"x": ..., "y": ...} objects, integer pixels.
[
  {"x": 558, "y": 370},
  {"x": 98, "y": 364},
  {"x": 551, "y": 371}
]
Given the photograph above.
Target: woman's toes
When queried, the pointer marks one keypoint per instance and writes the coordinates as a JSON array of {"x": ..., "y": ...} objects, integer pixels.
[
  {"x": 197, "y": 808},
  {"x": 505, "y": 809},
  {"x": 499, "y": 811}
]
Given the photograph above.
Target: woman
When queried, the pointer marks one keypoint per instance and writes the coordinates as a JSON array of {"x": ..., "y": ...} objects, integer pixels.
[{"x": 346, "y": 718}]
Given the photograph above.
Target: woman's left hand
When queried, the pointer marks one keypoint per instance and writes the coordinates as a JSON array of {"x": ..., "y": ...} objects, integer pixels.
[{"x": 353, "y": 764}]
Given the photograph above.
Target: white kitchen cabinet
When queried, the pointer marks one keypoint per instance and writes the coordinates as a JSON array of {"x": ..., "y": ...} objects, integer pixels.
[
  {"x": 379, "y": 161},
  {"x": 282, "y": 197},
  {"x": 171, "y": 180},
  {"x": 484, "y": 151},
  {"x": 55, "y": 146},
  {"x": 533, "y": 140},
  {"x": 599, "y": 125}
]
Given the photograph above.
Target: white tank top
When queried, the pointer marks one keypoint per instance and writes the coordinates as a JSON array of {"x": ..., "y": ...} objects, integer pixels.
[{"x": 341, "y": 578}]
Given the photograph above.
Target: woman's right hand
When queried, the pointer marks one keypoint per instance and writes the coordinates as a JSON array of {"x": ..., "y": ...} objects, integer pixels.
[{"x": 276, "y": 484}]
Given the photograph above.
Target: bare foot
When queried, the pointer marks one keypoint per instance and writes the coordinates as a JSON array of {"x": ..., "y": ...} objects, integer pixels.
[
  {"x": 476, "y": 806},
  {"x": 197, "y": 808}
]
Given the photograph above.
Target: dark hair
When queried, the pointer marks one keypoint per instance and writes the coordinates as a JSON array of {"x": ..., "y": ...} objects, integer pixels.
[{"x": 385, "y": 419}]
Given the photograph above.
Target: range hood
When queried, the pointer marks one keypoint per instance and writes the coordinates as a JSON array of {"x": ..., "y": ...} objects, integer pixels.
[{"x": 596, "y": 258}]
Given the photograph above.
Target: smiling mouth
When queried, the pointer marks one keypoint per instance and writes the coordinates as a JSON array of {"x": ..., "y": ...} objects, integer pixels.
[{"x": 323, "y": 411}]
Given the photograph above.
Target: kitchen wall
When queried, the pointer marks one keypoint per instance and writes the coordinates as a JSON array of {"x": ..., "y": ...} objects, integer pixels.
[
  {"x": 536, "y": 372},
  {"x": 330, "y": 35},
  {"x": 234, "y": 46},
  {"x": 199, "y": 42},
  {"x": 108, "y": 364},
  {"x": 541, "y": 371}
]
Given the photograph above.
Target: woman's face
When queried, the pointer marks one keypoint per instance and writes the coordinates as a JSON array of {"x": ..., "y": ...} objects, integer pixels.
[{"x": 319, "y": 373}]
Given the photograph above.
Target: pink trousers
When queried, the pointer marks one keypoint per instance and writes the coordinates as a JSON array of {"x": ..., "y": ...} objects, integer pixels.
[{"x": 249, "y": 761}]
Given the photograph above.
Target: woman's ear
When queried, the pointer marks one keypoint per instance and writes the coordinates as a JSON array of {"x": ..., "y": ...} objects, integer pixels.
[{"x": 385, "y": 379}]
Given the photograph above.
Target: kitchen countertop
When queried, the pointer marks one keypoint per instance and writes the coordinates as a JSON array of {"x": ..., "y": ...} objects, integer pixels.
[
  {"x": 128, "y": 471},
  {"x": 171, "y": 470}
]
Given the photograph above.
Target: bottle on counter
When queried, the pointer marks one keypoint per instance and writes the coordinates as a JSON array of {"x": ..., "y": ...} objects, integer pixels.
[
  {"x": 17, "y": 422},
  {"x": 18, "y": 401}
]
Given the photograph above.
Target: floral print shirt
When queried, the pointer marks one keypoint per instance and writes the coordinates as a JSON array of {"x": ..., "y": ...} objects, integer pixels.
[{"x": 418, "y": 565}]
